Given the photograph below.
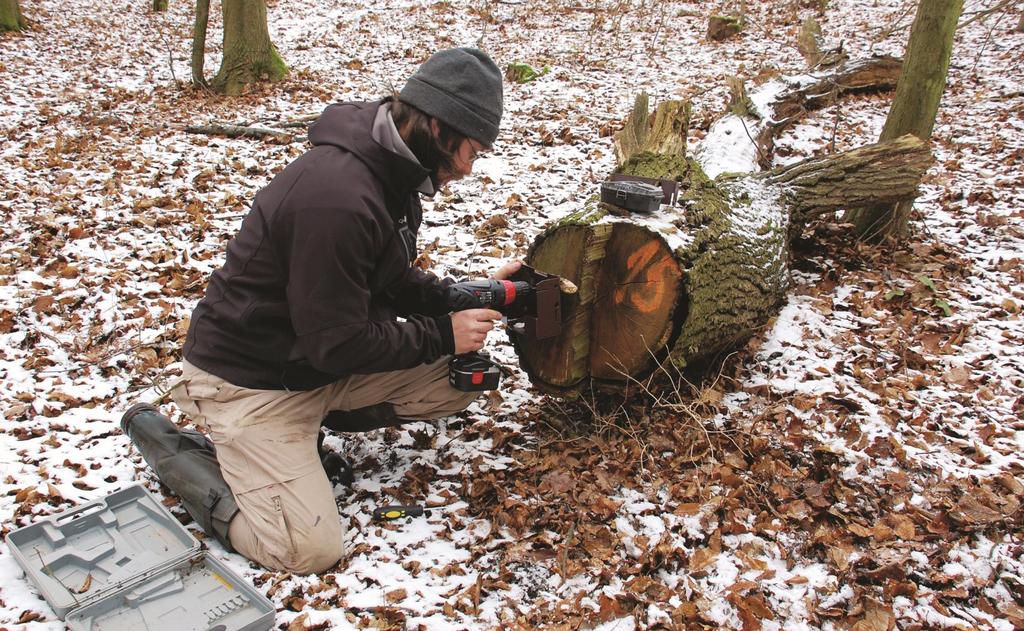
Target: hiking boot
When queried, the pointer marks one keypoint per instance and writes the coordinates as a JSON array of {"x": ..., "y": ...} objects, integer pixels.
[{"x": 186, "y": 462}]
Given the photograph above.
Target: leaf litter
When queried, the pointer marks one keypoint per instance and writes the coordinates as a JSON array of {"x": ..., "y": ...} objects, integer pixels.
[{"x": 856, "y": 465}]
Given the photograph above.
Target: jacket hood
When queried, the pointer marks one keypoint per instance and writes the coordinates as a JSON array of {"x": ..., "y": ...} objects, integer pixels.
[{"x": 348, "y": 126}]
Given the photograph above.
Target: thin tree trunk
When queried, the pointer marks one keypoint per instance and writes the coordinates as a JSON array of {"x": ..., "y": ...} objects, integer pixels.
[
  {"x": 199, "y": 43},
  {"x": 11, "y": 18},
  {"x": 249, "y": 55},
  {"x": 913, "y": 111}
]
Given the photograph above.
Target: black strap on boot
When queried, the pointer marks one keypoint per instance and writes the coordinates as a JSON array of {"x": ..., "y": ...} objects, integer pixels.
[
  {"x": 221, "y": 509},
  {"x": 187, "y": 465}
]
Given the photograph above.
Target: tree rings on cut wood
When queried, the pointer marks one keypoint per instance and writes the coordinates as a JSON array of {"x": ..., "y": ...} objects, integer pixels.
[
  {"x": 629, "y": 286},
  {"x": 637, "y": 291}
]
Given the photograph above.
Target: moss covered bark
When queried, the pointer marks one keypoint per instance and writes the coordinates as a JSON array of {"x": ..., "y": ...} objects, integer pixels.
[
  {"x": 11, "y": 18},
  {"x": 736, "y": 269}
]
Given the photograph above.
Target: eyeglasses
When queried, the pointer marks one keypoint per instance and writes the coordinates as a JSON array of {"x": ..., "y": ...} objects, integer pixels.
[{"x": 475, "y": 150}]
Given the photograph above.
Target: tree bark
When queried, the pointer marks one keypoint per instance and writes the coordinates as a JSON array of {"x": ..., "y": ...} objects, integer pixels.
[
  {"x": 11, "y": 18},
  {"x": 916, "y": 103},
  {"x": 199, "y": 43},
  {"x": 249, "y": 55}
]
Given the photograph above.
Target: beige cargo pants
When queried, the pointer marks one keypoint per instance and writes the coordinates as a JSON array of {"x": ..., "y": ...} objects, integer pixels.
[{"x": 266, "y": 447}]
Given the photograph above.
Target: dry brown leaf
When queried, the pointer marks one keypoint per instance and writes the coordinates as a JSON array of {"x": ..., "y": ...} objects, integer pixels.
[
  {"x": 877, "y": 617},
  {"x": 86, "y": 585},
  {"x": 558, "y": 482},
  {"x": 860, "y": 531},
  {"x": 903, "y": 526},
  {"x": 702, "y": 558},
  {"x": 972, "y": 511},
  {"x": 396, "y": 595},
  {"x": 957, "y": 376},
  {"x": 44, "y": 304}
]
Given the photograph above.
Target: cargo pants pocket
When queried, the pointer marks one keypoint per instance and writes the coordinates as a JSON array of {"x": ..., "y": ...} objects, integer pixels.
[
  {"x": 290, "y": 526},
  {"x": 263, "y": 534}
]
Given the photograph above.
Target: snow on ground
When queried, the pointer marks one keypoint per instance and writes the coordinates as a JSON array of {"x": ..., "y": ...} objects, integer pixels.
[{"x": 857, "y": 463}]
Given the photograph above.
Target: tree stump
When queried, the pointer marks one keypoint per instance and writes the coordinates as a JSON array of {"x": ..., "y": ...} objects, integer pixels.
[
  {"x": 722, "y": 27},
  {"x": 692, "y": 281}
]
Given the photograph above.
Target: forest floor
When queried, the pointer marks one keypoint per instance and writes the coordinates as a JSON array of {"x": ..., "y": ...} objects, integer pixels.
[{"x": 857, "y": 465}]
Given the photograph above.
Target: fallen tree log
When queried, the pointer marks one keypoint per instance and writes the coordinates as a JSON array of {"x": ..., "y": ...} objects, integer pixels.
[{"x": 692, "y": 281}]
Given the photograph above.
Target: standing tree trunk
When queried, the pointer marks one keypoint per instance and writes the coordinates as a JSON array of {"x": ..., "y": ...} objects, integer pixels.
[
  {"x": 199, "y": 43},
  {"x": 916, "y": 103},
  {"x": 249, "y": 55},
  {"x": 10, "y": 16}
]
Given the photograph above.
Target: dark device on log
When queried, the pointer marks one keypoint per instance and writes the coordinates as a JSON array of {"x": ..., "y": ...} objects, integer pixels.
[
  {"x": 530, "y": 300},
  {"x": 635, "y": 196},
  {"x": 669, "y": 188}
]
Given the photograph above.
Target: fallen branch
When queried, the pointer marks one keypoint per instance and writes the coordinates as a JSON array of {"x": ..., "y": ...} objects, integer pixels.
[{"x": 238, "y": 131}]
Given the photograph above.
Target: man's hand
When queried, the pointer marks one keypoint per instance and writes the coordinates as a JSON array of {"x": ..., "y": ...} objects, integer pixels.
[
  {"x": 470, "y": 328},
  {"x": 507, "y": 270}
]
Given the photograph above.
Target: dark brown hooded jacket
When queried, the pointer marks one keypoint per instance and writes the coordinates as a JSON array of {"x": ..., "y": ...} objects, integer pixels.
[{"x": 321, "y": 267}]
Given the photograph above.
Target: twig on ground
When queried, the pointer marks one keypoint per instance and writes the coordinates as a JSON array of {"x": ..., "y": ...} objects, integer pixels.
[
  {"x": 988, "y": 40},
  {"x": 760, "y": 154}
]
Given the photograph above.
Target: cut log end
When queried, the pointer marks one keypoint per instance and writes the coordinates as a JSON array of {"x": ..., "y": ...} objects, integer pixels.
[{"x": 629, "y": 287}]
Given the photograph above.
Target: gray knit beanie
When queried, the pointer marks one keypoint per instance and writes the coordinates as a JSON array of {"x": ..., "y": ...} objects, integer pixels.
[{"x": 461, "y": 87}]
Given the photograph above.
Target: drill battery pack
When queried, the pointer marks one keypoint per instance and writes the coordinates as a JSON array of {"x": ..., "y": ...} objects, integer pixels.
[{"x": 473, "y": 372}]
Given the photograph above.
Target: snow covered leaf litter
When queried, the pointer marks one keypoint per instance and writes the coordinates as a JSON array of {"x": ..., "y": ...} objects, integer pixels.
[{"x": 857, "y": 464}]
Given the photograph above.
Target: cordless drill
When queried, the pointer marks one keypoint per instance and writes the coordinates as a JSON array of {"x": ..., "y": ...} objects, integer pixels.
[
  {"x": 474, "y": 371},
  {"x": 486, "y": 294}
]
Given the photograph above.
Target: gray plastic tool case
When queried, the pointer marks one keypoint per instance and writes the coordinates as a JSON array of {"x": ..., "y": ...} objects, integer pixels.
[{"x": 124, "y": 562}]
